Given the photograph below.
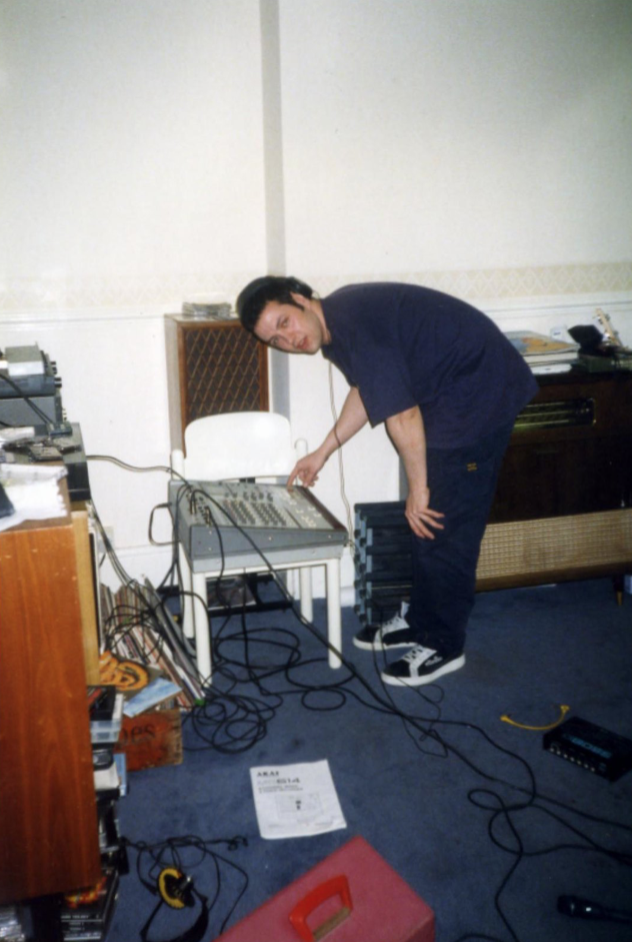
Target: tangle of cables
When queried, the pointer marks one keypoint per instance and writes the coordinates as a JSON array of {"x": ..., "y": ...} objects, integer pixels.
[{"x": 256, "y": 670}]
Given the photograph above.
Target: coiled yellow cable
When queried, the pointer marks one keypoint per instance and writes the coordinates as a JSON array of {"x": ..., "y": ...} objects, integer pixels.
[{"x": 563, "y": 711}]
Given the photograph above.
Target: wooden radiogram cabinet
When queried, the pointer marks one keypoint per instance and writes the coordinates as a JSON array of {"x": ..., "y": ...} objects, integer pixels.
[
  {"x": 48, "y": 816},
  {"x": 571, "y": 450},
  {"x": 563, "y": 505},
  {"x": 213, "y": 366}
]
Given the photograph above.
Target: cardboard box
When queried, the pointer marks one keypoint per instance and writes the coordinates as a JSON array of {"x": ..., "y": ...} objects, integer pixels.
[{"x": 151, "y": 739}]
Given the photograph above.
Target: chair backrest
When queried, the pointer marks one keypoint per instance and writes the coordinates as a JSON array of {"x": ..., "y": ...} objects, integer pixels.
[{"x": 236, "y": 445}]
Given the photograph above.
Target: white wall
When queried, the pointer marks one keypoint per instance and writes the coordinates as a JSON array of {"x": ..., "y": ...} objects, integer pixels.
[
  {"x": 456, "y": 135},
  {"x": 132, "y": 142},
  {"x": 132, "y": 178},
  {"x": 480, "y": 146}
]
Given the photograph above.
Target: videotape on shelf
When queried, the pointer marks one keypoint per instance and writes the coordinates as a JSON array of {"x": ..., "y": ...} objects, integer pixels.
[
  {"x": 86, "y": 915},
  {"x": 101, "y": 701}
]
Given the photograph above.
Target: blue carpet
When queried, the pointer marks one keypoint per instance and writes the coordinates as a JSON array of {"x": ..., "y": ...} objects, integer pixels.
[{"x": 431, "y": 795}]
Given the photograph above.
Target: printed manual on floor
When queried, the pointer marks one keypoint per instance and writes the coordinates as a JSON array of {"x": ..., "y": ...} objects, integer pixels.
[{"x": 296, "y": 800}]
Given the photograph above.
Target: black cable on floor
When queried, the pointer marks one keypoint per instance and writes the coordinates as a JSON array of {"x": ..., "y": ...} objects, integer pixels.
[{"x": 232, "y": 723}]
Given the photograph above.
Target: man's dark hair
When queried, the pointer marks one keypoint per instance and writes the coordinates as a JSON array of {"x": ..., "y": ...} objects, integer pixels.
[{"x": 261, "y": 291}]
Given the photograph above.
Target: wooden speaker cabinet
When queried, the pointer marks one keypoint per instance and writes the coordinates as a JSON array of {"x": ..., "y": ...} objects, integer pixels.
[
  {"x": 563, "y": 506},
  {"x": 48, "y": 817},
  {"x": 212, "y": 366}
]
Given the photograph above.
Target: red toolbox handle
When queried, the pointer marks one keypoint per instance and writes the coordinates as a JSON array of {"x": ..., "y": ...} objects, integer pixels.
[{"x": 337, "y": 886}]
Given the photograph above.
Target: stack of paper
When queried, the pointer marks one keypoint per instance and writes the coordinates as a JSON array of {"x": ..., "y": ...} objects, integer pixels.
[
  {"x": 33, "y": 491},
  {"x": 296, "y": 800},
  {"x": 544, "y": 354}
]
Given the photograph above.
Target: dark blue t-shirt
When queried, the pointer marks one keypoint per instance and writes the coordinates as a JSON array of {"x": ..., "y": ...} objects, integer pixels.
[{"x": 403, "y": 345}]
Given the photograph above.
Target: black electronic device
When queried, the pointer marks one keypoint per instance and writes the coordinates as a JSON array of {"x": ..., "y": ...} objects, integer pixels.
[
  {"x": 581, "y": 908},
  {"x": 30, "y": 400},
  {"x": 383, "y": 560},
  {"x": 601, "y": 351},
  {"x": 30, "y": 390},
  {"x": 590, "y": 747}
]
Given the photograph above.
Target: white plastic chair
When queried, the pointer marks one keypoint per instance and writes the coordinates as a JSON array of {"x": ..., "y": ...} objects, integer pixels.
[{"x": 241, "y": 445}]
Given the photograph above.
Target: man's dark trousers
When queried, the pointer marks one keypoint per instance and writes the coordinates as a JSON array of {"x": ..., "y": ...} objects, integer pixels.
[{"x": 462, "y": 483}]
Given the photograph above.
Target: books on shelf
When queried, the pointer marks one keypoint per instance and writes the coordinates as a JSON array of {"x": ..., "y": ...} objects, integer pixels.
[{"x": 538, "y": 349}]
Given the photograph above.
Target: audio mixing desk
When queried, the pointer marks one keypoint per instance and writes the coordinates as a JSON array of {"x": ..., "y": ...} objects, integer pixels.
[
  {"x": 245, "y": 523},
  {"x": 238, "y": 526}
]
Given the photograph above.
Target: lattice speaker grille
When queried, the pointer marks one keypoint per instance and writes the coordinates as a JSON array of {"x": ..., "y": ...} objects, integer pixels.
[
  {"x": 222, "y": 372},
  {"x": 560, "y": 543}
]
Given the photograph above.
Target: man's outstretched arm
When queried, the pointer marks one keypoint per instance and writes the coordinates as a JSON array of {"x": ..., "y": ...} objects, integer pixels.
[{"x": 352, "y": 418}]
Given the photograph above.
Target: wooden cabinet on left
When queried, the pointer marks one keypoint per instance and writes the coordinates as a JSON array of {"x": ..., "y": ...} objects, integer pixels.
[{"x": 48, "y": 817}]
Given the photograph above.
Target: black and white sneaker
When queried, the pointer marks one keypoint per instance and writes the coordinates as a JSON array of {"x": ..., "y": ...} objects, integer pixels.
[
  {"x": 420, "y": 666},
  {"x": 394, "y": 633}
]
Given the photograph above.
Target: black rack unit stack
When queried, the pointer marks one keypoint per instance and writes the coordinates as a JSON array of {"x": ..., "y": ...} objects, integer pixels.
[{"x": 382, "y": 560}]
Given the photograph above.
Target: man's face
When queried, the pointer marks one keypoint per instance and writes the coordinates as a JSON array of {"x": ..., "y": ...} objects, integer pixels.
[{"x": 291, "y": 329}]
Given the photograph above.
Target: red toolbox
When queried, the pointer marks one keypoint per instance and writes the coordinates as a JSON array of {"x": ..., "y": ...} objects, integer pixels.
[{"x": 351, "y": 896}]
